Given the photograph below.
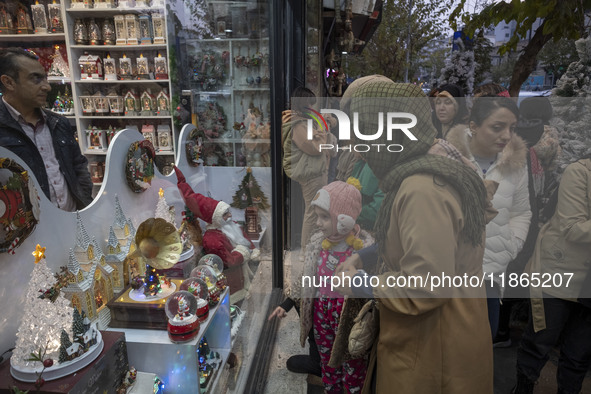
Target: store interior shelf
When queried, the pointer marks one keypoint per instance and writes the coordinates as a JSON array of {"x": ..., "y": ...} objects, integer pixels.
[
  {"x": 51, "y": 79},
  {"x": 95, "y": 152},
  {"x": 103, "y": 12},
  {"x": 119, "y": 47},
  {"x": 32, "y": 37},
  {"x": 112, "y": 117},
  {"x": 122, "y": 81}
]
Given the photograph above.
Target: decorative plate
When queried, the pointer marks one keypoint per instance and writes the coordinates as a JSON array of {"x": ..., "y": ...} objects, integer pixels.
[
  {"x": 19, "y": 205},
  {"x": 139, "y": 167}
]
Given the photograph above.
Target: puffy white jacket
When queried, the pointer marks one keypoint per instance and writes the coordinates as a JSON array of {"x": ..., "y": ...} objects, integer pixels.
[{"x": 506, "y": 233}]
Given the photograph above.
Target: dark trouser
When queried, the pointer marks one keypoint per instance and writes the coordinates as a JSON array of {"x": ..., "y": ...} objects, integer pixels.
[
  {"x": 494, "y": 305},
  {"x": 570, "y": 323}
]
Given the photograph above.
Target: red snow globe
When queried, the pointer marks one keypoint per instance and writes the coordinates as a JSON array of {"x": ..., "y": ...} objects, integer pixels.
[
  {"x": 181, "y": 310},
  {"x": 207, "y": 274},
  {"x": 198, "y": 288}
]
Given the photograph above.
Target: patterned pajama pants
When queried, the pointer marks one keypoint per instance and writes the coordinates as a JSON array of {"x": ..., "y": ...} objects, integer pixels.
[{"x": 350, "y": 376}]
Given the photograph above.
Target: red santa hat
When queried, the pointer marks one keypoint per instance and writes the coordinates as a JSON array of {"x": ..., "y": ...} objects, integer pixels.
[{"x": 205, "y": 208}]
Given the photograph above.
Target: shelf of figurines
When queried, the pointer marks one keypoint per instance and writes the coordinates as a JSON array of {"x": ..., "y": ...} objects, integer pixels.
[
  {"x": 18, "y": 21},
  {"x": 111, "y": 27},
  {"x": 98, "y": 138},
  {"x": 96, "y": 69}
]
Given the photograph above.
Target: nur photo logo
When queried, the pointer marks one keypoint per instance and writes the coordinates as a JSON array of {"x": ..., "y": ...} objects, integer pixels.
[{"x": 388, "y": 122}]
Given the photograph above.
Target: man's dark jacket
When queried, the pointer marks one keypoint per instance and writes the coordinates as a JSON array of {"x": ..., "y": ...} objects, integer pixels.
[{"x": 73, "y": 165}]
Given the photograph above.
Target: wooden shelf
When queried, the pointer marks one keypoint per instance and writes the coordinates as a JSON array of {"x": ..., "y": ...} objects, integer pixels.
[
  {"x": 119, "y": 47},
  {"x": 29, "y": 38}
]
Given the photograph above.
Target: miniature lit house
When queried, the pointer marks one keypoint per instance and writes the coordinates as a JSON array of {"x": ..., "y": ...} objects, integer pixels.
[
  {"x": 158, "y": 26},
  {"x": 91, "y": 66},
  {"x": 101, "y": 104},
  {"x": 163, "y": 103},
  {"x": 103, "y": 4},
  {"x": 148, "y": 102},
  {"x": 150, "y": 134},
  {"x": 96, "y": 139},
  {"x": 125, "y": 233},
  {"x": 132, "y": 29},
  {"x": 92, "y": 286},
  {"x": 115, "y": 257},
  {"x": 164, "y": 137},
  {"x": 145, "y": 29},
  {"x": 132, "y": 103},
  {"x": 120, "y": 30},
  {"x": 115, "y": 103},
  {"x": 87, "y": 104},
  {"x": 81, "y": 4}
]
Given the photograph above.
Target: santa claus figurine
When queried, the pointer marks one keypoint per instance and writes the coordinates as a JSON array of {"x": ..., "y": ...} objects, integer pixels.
[{"x": 223, "y": 236}]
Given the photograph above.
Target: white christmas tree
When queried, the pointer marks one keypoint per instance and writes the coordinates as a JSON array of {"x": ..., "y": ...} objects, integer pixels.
[
  {"x": 59, "y": 67},
  {"x": 163, "y": 210},
  {"x": 43, "y": 319},
  {"x": 571, "y": 103},
  {"x": 459, "y": 69}
]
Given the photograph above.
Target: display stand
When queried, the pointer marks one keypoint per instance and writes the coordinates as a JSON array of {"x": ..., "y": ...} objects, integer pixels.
[{"x": 177, "y": 364}]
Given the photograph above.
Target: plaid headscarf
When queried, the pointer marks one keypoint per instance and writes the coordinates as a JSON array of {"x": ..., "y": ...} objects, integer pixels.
[{"x": 392, "y": 168}]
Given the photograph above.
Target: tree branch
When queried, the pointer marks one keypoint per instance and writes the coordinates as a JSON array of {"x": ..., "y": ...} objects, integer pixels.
[{"x": 527, "y": 61}]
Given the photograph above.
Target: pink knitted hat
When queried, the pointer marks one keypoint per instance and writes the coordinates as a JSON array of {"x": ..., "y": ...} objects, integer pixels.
[{"x": 343, "y": 202}]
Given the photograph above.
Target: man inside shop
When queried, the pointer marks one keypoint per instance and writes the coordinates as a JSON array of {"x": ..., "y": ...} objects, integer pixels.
[{"x": 42, "y": 139}]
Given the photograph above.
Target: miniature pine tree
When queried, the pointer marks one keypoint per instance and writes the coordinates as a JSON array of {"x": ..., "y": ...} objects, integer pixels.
[
  {"x": 59, "y": 67},
  {"x": 249, "y": 193},
  {"x": 151, "y": 281},
  {"x": 459, "y": 69},
  {"x": 571, "y": 101},
  {"x": 42, "y": 320},
  {"x": 77, "y": 326},
  {"x": 65, "y": 343},
  {"x": 163, "y": 209}
]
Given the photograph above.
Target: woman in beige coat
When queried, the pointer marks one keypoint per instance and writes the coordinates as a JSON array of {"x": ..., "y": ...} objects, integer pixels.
[
  {"x": 561, "y": 261},
  {"x": 431, "y": 223}
]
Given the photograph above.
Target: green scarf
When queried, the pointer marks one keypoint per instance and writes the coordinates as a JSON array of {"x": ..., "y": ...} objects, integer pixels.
[
  {"x": 461, "y": 177},
  {"x": 392, "y": 168}
]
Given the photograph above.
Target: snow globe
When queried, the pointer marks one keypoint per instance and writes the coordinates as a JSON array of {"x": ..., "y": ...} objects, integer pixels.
[
  {"x": 181, "y": 308},
  {"x": 198, "y": 288},
  {"x": 217, "y": 266},
  {"x": 207, "y": 274}
]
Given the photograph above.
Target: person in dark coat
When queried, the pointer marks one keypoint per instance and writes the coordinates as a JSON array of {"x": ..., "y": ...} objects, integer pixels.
[{"x": 43, "y": 140}]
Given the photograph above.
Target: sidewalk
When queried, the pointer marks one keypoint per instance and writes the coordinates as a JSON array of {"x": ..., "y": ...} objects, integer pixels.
[{"x": 280, "y": 380}]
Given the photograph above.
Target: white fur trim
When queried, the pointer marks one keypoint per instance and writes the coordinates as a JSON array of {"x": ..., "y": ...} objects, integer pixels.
[
  {"x": 322, "y": 200},
  {"x": 255, "y": 254},
  {"x": 244, "y": 251},
  {"x": 218, "y": 213},
  {"x": 345, "y": 223}
]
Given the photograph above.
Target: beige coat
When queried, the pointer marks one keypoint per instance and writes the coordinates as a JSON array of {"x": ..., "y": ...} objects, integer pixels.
[
  {"x": 564, "y": 243},
  {"x": 431, "y": 341}
]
